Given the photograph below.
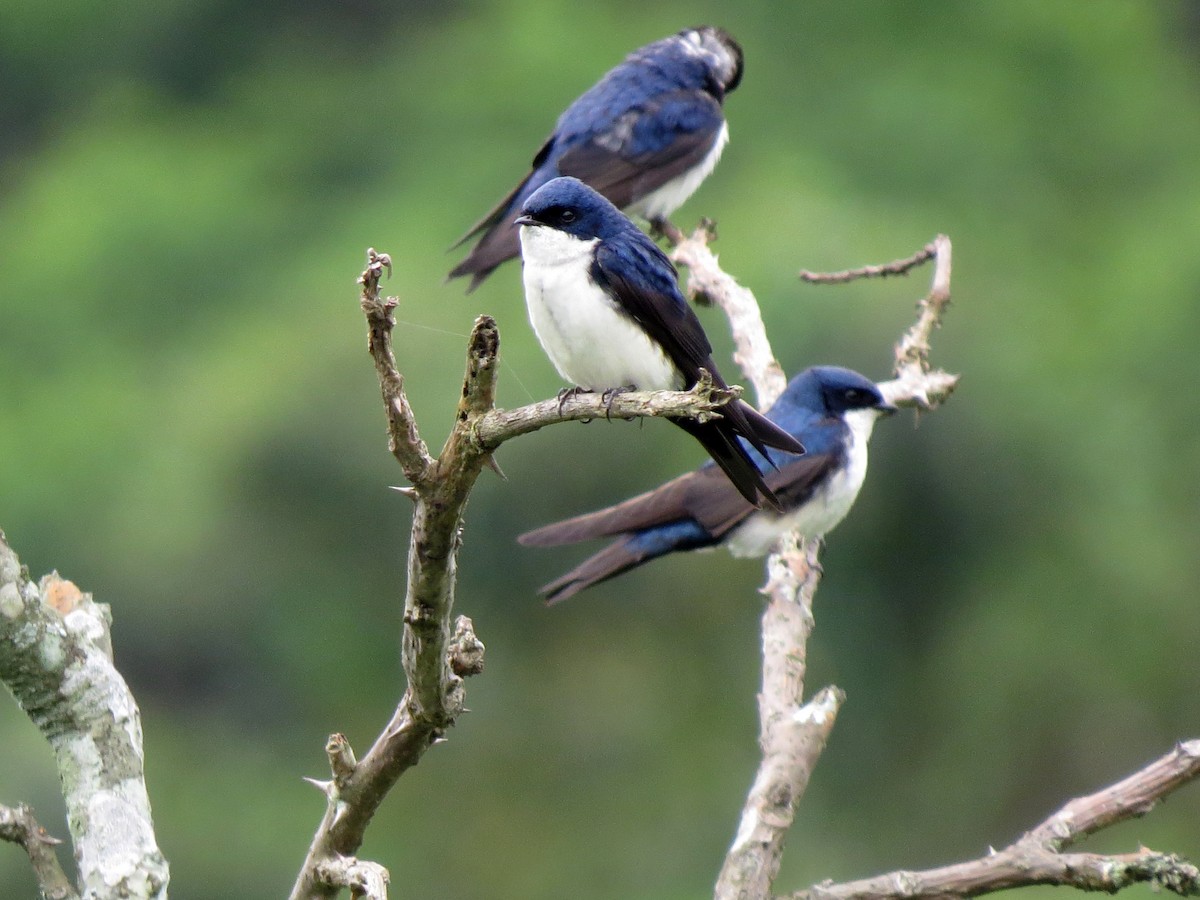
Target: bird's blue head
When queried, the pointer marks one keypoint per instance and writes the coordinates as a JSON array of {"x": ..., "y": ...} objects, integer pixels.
[
  {"x": 830, "y": 391},
  {"x": 567, "y": 204}
]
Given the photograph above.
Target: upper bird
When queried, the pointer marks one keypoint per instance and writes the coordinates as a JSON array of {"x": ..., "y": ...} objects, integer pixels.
[
  {"x": 606, "y": 307},
  {"x": 831, "y": 410},
  {"x": 644, "y": 136}
]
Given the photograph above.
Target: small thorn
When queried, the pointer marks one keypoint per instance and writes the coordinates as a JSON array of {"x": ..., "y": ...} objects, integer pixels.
[
  {"x": 407, "y": 490},
  {"x": 490, "y": 462},
  {"x": 325, "y": 787}
]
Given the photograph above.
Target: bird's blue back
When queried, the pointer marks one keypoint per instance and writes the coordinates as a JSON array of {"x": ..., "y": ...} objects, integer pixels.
[
  {"x": 653, "y": 72},
  {"x": 663, "y": 71}
]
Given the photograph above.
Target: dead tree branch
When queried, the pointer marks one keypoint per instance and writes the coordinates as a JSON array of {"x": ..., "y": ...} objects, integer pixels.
[
  {"x": 18, "y": 826},
  {"x": 433, "y": 645},
  {"x": 56, "y": 658},
  {"x": 708, "y": 283},
  {"x": 435, "y": 658},
  {"x": 1037, "y": 858},
  {"x": 895, "y": 267},
  {"x": 792, "y": 733}
]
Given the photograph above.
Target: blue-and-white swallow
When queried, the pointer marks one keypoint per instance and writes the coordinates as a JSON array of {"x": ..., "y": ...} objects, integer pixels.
[
  {"x": 831, "y": 410},
  {"x": 605, "y": 303},
  {"x": 644, "y": 136}
]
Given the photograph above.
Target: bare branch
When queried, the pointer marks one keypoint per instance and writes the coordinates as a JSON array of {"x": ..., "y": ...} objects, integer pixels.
[
  {"x": 792, "y": 734},
  {"x": 915, "y": 384},
  {"x": 364, "y": 879},
  {"x": 896, "y": 267},
  {"x": 434, "y": 664},
  {"x": 403, "y": 440},
  {"x": 707, "y": 283},
  {"x": 18, "y": 826},
  {"x": 1127, "y": 799},
  {"x": 702, "y": 403},
  {"x": 1035, "y": 858},
  {"x": 436, "y": 660},
  {"x": 56, "y": 658}
]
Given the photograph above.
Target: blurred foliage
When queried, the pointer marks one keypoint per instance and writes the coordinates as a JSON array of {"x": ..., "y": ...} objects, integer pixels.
[{"x": 192, "y": 430}]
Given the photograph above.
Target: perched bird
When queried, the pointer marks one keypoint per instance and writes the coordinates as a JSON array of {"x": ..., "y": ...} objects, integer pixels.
[
  {"x": 831, "y": 410},
  {"x": 644, "y": 136},
  {"x": 606, "y": 306}
]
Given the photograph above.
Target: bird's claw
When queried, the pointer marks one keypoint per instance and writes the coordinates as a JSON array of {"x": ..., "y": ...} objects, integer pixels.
[
  {"x": 611, "y": 394},
  {"x": 570, "y": 393}
]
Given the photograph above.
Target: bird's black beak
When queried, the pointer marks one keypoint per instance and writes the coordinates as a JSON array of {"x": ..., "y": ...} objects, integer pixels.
[
  {"x": 886, "y": 409},
  {"x": 526, "y": 220}
]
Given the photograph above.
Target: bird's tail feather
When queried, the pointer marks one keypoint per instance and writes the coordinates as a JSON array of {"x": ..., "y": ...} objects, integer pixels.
[
  {"x": 500, "y": 241},
  {"x": 619, "y": 556},
  {"x": 719, "y": 438},
  {"x": 759, "y": 430},
  {"x": 643, "y": 511},
  {"x": 497, "y": 246}
]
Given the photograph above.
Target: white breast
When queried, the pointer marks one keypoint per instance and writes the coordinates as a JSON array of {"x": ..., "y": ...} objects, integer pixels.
[
  {"x": 590, "y": 342},
  {"x": 660, "y": 203},
  {"x": 827, "y": 507}
]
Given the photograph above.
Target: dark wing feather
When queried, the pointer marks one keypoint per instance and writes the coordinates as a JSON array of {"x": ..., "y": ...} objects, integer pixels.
[
  {"x": 654, "y": 301},
  {"x": 721, "y": 512},
  {"x": 667, "y": 503},
  {"x": 720, "y": 439},
  {"x": 705, "y": 496},
  {"x": 619, "y": 556},
  {"x": 689, "y": 121},
  {"x": 500, "y": 241},
  {"x": 760, "y": 430}
]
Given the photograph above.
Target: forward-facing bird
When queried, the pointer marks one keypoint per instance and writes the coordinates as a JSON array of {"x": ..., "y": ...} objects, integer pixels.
[
  {"x": 831, "y": 410},
  {"x": 606, "y": 306},
  {"x": 644, "y": 136}
]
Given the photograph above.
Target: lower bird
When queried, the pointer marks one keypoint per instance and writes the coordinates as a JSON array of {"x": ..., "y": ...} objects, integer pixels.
[
  {"x": 605, "y": 303},
  {"x": 831, "y": 410}
]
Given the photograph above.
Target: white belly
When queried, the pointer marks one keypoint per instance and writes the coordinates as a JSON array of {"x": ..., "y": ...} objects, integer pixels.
[
  {"x": 590, "y": 342},
  {"x": 827, "y": 507},
  {"x": 660, "y": 203}
]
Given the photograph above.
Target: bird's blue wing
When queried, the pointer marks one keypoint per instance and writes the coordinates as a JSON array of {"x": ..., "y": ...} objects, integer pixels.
[
  {"x": 705, "y": 497},
  {"x": 645, "y": 147}
]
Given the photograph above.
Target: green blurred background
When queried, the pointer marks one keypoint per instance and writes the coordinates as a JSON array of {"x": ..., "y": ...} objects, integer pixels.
[{"x": 192, "y": 430}]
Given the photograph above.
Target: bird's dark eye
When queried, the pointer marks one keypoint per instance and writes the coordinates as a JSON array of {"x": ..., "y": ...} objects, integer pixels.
[
  {"x": 854, "y": 396},
  {"x": 567, "y": 216}
]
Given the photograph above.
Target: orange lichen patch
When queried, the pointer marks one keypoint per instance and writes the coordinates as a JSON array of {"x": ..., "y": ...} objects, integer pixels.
[{"x": 60, "y": 594}]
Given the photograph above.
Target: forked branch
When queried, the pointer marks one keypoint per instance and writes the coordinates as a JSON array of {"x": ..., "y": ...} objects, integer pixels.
[
  {"x": 1037, "y": 858},
  {"x": 438, "y": 651},
  {"x": 792, "y": 733}
]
